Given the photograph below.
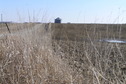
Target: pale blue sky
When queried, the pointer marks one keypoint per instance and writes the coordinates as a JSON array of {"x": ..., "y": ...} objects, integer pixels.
[{"x": 74, "y": 11}]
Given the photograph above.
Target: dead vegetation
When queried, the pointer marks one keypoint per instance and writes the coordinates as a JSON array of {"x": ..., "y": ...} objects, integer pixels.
[
  {"x": 98, "y": 62},
  {"x": 26, "y": 57},
  {"x": 37, "y": 56}
]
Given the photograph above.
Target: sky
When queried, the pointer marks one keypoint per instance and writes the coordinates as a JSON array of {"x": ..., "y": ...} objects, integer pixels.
[{"x": 73, "y": 11}]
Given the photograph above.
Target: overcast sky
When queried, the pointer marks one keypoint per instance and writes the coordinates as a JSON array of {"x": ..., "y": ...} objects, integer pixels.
[{"x": 74, "y": 11}]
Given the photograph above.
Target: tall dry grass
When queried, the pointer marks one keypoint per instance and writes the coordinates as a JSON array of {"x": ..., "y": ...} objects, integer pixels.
[
  {"x": 26, "y": 57},
  {"x": 29, "y": 55},
  {"x": 98, "y": 62}
]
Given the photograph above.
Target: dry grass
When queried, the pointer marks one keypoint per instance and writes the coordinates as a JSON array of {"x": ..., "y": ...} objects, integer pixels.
[
  {"x": 14, "y": 27},
  {"x": 26, "y": 57},
  {"x": 79, "y": 32},
  {"x": 98, "y": 62},
  {"x": 29, "y": 55}
]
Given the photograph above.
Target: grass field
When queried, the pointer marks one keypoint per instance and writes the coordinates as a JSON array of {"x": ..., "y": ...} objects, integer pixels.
[
  {"x": 26, "y": 57},
  {"x": 98, "y": 62},
  {"x": 14, "y": 27},
  {"x": 81, "y": 31},
  {"x": 62, "y": 54}
]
